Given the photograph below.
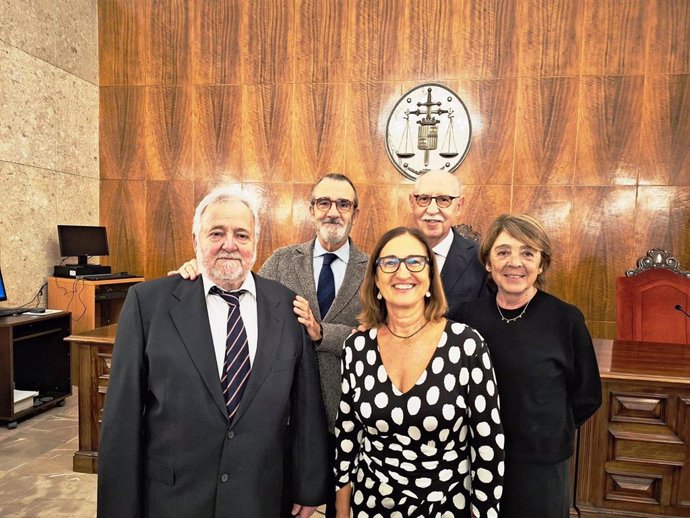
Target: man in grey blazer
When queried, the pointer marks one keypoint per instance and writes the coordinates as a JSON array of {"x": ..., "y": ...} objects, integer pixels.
[
  {"x": 204, "y": 383},
  {"x": 436, "y": 204}
]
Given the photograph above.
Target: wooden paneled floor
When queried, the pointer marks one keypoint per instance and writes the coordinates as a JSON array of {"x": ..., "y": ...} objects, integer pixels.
[{"x": 36, "y": 477}]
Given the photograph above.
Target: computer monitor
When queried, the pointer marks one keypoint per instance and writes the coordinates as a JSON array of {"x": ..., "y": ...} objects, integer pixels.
[
  {"x": 3, "y": 291},
  {"x": 82, "y": 241}
]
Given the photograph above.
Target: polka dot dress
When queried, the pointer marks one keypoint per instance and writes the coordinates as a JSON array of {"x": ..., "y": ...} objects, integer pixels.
[{"x": 435, "y": 451}]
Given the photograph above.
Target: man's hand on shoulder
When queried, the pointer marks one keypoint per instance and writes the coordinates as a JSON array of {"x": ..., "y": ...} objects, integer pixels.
[
  {"x": 305, "y": 316},
  {"x": 302, "y": 511},
  {"x": 188, "y": 270}
]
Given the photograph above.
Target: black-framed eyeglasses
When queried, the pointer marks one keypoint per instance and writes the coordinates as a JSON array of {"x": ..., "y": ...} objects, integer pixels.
[
  {"x": 443, "y": 201},
  {"x": 324, "y": 204},
  {"x": 391, "y": 263}
]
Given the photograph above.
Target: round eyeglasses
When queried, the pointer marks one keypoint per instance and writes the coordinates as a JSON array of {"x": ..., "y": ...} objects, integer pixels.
[
  {"x": 391, "y": 263},
  {"x": 443, "y": 201},
  {"x": 325, "y": 204}
]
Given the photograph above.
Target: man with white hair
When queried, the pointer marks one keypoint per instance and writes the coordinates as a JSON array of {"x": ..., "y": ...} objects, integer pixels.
[
  {"x": 205, "y": 378},
  {"x": 436, "y": 204}
]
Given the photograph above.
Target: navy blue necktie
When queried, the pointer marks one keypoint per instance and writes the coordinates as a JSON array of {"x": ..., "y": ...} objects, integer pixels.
[
  {"x": 236, "y": 367},
  {"x": 326, "y": 288}
]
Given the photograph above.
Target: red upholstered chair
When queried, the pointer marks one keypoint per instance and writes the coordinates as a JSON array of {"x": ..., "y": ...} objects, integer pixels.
[{"x": 648, "y": 297}]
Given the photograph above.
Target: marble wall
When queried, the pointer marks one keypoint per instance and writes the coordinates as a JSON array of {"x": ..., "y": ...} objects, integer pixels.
[{"x": 48, "y": 134}]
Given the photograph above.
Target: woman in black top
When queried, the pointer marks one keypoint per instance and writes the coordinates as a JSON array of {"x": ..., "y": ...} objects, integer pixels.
[{"x": 545, "y": 366}]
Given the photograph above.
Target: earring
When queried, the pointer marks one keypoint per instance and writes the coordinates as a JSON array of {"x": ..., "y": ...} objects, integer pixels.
[
  {"x": 428, "y": 294},
  {"x": 379, "y": 296}
]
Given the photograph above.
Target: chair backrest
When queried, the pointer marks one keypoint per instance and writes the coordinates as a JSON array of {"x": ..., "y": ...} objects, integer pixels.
[
  {"x": 468, "y": 232},
  {"x": 646, "y": 300}
]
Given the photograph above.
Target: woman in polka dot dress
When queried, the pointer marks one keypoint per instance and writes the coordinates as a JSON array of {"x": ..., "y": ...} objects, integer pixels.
[{"x": 418, "y": 430}]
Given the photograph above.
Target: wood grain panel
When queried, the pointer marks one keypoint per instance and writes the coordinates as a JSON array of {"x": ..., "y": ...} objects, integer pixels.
[
  {"x": 169, "y": 214},
  {"x": 545, "y": 130},
  {"x": 368, "y": 106},
  {"x": 601, "y": 241},
  {"x": 319, "y": 131},
  {"x": 404, "y": 213},
  {"x": 320, "y": 41},
  {"x": 168, "y": 56},
  {"x": 268, "y": 43},
  {"x": 378, "y": 214},
  {"x": 661, "y": 221},
  {"x": 430, "y": 45},
  {"x": 375, "y": 40},
  {"x": 665, "y": 142},
  {"x": 169, "y": 146},
  {"x": 488, "y": 39},
  {"x": 123, "y": 211},
  {"x": 552, "y": 207},
  {"x": 275, "y": 216},
  {"x": 609, "y": 130},
  {"x": 122, "y": 132},
  {"x": 267, "y": 133},
  {"x": 614, "y": 37},
  {"x": 550, "y": 34},
  {"x": 492, "y": 107},
  {"x": 669, "y": 37},
  {"x": 483, "y": 204},
  {"x": 217, "y": 133},
  {"x": 121, "y": 42},
  {"x": 302, "y": 227},
  {"x": 601, "y": 329},
  {"x": 217, "y": 37}
]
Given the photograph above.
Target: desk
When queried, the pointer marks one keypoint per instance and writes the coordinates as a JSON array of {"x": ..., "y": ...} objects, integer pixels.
[
  {"x": 634, "y": 454},
  {"x": 95, "y": 350}
]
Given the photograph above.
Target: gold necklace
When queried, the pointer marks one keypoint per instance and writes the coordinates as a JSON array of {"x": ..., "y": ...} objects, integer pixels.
[{"x": 408, "y": 336}]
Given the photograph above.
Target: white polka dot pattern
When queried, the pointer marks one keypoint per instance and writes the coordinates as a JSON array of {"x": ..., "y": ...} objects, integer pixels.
[{"x": 434, "y": 451}]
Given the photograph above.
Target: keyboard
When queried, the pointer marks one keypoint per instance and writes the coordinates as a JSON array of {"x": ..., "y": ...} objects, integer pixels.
[
  {"x": 107, "y": 276},
  {"x": 7, "y": 312}
]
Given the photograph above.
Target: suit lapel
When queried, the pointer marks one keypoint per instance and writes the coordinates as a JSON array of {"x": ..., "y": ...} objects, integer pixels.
[
  {"x": 270, "y": 326},
  {"x": 455, "y": 264},
  {"x": 356, "y": 268},
  {"x": 304, "y": 271},
  {"x": 191, "y": 320}
]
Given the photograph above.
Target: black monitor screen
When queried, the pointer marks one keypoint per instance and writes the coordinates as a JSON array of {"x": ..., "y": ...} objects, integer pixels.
[
  {"x": 80, "y": 241},
  {"x": 3, "y": 293}
]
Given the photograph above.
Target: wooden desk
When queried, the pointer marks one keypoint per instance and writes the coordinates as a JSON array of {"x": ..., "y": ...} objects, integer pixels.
[
  {"x": 634, "y": 455},
  {"x": 95, "y": 349}
]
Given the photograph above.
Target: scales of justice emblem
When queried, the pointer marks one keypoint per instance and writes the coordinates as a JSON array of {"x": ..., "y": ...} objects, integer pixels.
[{"x": 433, "y": 110}]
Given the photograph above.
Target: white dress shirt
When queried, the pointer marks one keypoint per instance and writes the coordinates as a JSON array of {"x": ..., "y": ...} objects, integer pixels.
[
  {"x": 218, "y": 318},
  {"x": 338, "y": 266},
  {"x": 442, "y": 249}
]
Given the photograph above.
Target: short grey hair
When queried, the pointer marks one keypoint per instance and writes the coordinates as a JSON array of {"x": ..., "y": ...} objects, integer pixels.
[
  {"x": 456, "y": 179},
  {"x": 227, "y": 193}
]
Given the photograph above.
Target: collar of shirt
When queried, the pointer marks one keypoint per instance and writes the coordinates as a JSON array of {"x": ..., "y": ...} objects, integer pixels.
[
  {"x": 217, "y": 310},
  {"x": 442, "y": 249},
  {"x": 343, "y": 252}
]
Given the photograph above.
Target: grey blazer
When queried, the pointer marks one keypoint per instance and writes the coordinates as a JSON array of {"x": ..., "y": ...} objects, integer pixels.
[
  {"x": 293, "y": 266},
  {"x": 167, "y": 448}
]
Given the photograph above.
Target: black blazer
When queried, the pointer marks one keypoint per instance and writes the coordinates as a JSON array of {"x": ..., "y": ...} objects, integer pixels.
[
  {"x": 166, "y": 447},
  {"x": 463, "y": 276}
]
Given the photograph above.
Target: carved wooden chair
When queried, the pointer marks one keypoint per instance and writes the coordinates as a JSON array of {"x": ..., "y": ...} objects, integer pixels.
[
  {"x": 652, "y": 300},
  {"x": 468, "y": 232}
]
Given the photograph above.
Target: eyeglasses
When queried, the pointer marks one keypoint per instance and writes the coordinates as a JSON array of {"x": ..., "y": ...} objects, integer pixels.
[
  {"x": 324, "y": 204},
  {"x": 391, "y": 263},
  {"x": 443, "y": 201}
]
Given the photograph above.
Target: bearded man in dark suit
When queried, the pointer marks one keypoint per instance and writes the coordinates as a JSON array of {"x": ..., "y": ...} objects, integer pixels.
[{"x": 200, "y": 397}]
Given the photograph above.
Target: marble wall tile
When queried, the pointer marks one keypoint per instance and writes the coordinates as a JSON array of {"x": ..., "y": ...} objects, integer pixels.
[
  {"x": 76, "y": 43},
  {"x": 29, "y": 25},
  {"x": 77, "y": 201},
  {"x": 77, "y": 125}
]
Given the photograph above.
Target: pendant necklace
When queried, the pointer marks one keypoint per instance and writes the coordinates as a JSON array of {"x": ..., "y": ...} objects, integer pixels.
[
  {"x": 509, "y": 320},
  {"x": 408, "y": 336}
]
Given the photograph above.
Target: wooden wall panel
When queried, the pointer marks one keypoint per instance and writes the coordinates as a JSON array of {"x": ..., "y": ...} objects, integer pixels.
[
  {"x": 493, "y": 105},
  {"x": 319, "y": 130},
  {"x": 122, "y": 132},
  {"x": 267, "y": 133},
  {"x": 579, "y": 115},
  {"x": 614, "y": 39},
  {"x": 217, "y": 45},
  {"x": 666, "y": 131},
  {"x": 320, "y": 41},
  {"x": 488, "y": 39},
  {"x": 609, "y": 133},
  {"x": 544, "y": 143},
  {"x": 550, "y": 33}
]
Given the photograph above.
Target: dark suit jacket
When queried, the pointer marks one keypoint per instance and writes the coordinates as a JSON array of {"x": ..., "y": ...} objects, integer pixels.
[
  {"x": 463, "y": 276},
  {"x": 167, "y": 448},
  {"x": 293, "y": 266}
]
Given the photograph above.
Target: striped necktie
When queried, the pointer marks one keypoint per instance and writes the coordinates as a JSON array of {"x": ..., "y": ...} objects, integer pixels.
[{"x": 236, "y": 367}]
